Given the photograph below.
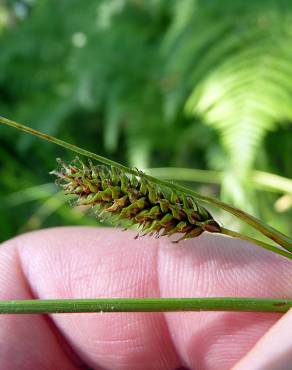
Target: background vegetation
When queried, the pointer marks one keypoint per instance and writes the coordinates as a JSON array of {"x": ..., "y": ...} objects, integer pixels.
[{"x": 197, "y": 84}]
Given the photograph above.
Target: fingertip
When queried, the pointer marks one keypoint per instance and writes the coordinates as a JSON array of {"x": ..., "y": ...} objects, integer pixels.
[{"x": 273, "y": 351}]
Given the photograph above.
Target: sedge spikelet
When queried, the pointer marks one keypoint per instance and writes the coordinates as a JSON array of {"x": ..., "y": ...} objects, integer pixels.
[{"x": 112, "y": 192}]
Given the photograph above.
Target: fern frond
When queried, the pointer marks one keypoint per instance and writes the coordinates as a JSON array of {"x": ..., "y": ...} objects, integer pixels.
[
  {"x": 244, "y": 101},
  {"x": 237, "y": 80}
]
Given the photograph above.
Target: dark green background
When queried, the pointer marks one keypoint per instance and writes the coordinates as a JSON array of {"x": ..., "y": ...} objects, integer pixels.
[{"x": 190, "y": 83}]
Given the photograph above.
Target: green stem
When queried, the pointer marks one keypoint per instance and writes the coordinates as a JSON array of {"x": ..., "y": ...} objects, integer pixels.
[
  {"x": 185, "y": 174},
  {"x": 267, "y": 230},
  {"x": 264, "y": 245},
  {"x": 272, "y": 182},
  {"x": 101, "y": 305},
  {"x": 262, "y": 180}
]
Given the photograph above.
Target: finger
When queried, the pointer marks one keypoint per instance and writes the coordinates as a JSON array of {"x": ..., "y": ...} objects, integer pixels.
[
  {"x": 220, "y": 266},
  {"x": 26, "y": 342},
  {"x": 274, "y": 349},
  {"x": 80, "y": 262}
]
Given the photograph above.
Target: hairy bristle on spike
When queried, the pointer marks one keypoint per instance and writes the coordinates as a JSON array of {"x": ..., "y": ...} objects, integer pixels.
[{"x": 155, "y": 211}]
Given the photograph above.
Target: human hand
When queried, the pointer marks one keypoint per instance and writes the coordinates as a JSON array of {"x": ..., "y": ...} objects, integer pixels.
[{"x": 92, "y": 262}]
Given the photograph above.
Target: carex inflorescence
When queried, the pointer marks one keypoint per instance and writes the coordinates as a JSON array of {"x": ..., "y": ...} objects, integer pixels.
[{"x": 136, "y": 199}]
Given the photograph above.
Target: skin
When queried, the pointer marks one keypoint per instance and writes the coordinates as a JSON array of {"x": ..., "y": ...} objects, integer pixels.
[{"x": 92, "y": 262}]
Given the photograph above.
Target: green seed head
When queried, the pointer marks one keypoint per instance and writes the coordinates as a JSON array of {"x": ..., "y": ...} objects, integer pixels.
[{"x": 154, "y": 210}]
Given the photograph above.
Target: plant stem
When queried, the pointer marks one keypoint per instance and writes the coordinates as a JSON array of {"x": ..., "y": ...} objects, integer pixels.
[
  {"x": 262, "y": 180},
  {"x": 267, "y": 230},
  {"x": 264, "y": 245},
  {"x": 38, "y": 306},
  {"x": 185, "y": 174}
]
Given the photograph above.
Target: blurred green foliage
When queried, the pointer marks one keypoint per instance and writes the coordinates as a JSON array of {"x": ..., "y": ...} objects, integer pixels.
[{"x": 189, "y": 83}]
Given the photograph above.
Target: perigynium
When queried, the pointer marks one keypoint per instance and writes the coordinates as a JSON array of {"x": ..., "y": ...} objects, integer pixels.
[{"x": 119, "y": 196}]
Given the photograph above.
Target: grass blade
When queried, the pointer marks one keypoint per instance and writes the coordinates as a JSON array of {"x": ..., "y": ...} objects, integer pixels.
[{"x": 257, "y": 224}]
